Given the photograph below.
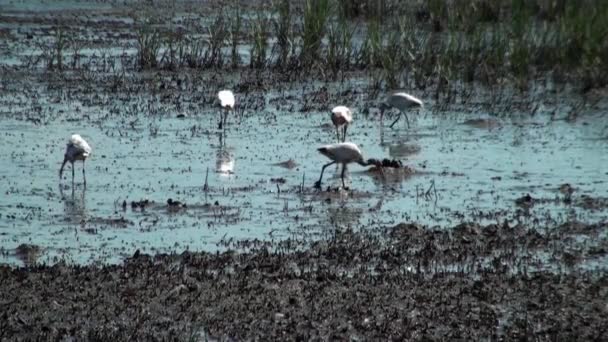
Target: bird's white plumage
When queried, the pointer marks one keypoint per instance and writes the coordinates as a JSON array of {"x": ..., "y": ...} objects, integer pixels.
[
  {"x": 346, "y": 152},
  {"x": 404, "y": 101},
  {"x": 226, "y": 98},
  {"x": 341, "y": 112},
  {"x": 78, "y": 147}
]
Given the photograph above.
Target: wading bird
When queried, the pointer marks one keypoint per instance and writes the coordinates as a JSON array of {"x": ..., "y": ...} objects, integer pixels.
[
  {"x": 77, "y": 149},
  {"x": 402, "y": 102},
  {"x": 344, "y": 153},
  {"x": 226, "y": 98},
  {"x": 341, "y": 116}
]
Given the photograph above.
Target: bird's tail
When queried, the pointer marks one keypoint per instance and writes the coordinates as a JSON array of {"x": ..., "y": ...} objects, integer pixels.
[{"x": 65, "y": 160}]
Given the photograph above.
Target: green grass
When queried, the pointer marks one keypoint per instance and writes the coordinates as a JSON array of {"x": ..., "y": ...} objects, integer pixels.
[
  {"x": 283, "y": 31},
  {"x": 339, "y": 52},
  {"x": 410, "y": 43},
  {"x": 235, "y": 32},
  {"x": 316, "y": 14},
  {"x": 260, "y": 31},
  {"x": 148, "y": 47}
]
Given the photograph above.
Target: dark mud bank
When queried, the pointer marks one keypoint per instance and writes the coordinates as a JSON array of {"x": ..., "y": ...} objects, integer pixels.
[{"x": 405, "y": 282}]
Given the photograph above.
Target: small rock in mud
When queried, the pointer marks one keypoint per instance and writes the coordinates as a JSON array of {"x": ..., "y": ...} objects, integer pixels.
[
  {"x": 566, "y": 189},
  {"x": 142, "y": 204},
  {"x": 27, "y": 253},
  {"x": 175, "y": 204},
  {"x": 525, "y": 201}
]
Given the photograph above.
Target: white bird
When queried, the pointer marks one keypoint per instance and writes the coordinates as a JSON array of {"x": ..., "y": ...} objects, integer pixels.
[
  {"x": 77, "y": 149},
  {"x": 227, "y": 101},
  {"x": 341, "y": 116},
  {"x": 343, "y": 153},
  {"x": 403, "y": 102}
]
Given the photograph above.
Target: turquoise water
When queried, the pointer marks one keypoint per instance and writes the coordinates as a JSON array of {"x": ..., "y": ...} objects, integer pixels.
[{"x": 477, "y": 174}]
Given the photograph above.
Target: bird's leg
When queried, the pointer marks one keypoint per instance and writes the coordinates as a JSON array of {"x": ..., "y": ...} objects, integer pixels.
[
  {"x": 338, "y": 133},
  {"x": 342, "y": 175},
  {"x": 318, "y": 183},
  {"x": 394, "y": 122},
  {"x": 344, "y": 135},
  {"x": 407, "y": 120},
  {"x": 72, "y": 175},
  {"x": 65, "y": 160},
  {"x": 84, "y": 176},
  {"x": 225, "y": 118}
]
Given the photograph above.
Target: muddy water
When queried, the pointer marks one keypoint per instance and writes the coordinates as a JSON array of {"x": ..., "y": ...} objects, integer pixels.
[{"x": 464, "y": 172}]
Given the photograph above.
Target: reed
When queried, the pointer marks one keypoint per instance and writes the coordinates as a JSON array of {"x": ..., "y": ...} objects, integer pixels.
[{"x": 316, "y": 14}]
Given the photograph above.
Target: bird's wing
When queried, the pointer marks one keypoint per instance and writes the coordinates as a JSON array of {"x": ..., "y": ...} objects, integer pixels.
[
  {"x": 345, "y": 152},
  {"x": 78, "y": 144},
  {"x": 404, "y": 101},
  {"x": 226, "y": 98}
]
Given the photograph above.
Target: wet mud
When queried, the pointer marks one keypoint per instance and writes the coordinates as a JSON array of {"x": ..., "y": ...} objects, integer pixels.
[{"x": 404, "y": 282}]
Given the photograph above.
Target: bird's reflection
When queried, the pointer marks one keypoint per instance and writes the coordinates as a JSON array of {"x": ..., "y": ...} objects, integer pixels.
[
  {"x": 401, "y": 146},
  {"x": 224, "y": 162},
  {"x": 74, "y": 204},
  {"x": 403, "y": 150}
]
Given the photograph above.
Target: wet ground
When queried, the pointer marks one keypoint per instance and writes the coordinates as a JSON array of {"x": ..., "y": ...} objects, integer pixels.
[
  {"x": 406, "y": 282},
  {"x": 495, "y": 228}
]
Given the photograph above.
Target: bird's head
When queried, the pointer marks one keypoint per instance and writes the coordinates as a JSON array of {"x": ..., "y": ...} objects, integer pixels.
[
  {"x": 375, "y": 162},
  {"x": 384, "y": 106}
]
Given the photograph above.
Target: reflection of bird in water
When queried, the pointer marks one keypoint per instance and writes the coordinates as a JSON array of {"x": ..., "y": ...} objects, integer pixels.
[
  {"x": 224, "y": 162},
  {"x": 403, "y": 102},
  {"x": 74, "y": 206},
  {"x": 227, "y": 102},
  {"x": 403, "y": 150},
  {"x": 341, "y": 116},
  {"x": 344, "y": 153},
  {"x": 77, "y": 149}
]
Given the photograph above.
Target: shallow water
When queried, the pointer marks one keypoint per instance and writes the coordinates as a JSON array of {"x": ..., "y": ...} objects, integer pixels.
[
  {"x": 477, "y": 172},
  {"x": 142, "y": 150}
]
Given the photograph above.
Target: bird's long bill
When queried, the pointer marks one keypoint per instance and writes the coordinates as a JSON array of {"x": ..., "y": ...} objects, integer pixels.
[{"x": 65, "y": 160}]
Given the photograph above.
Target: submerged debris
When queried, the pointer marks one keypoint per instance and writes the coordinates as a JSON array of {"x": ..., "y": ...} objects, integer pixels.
[
  {"x": 141, "y": 204},
  {"x": 525, "y": 201},
  {"x": 175, "y": 204},
  {"x": 288, "y": 164},
  {"x": 28, "y": 253},
  {"x": 482, "y": 123}
]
